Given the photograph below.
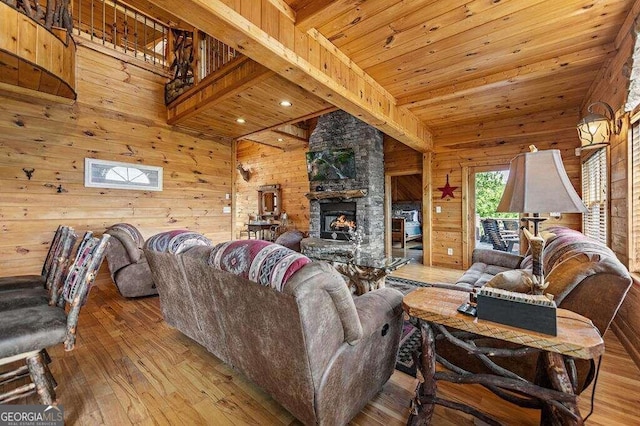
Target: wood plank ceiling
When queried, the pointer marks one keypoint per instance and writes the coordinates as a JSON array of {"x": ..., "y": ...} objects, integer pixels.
[
  {"x": 469, "y": 69},
  {"x": 458, "y": 63}
]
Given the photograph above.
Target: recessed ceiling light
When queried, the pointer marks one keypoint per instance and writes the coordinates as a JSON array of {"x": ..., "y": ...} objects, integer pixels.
[
  {"x": 241, "y": 120},
  {"x": 285, "y": 103},
  {"x": 280, "y": 140}
]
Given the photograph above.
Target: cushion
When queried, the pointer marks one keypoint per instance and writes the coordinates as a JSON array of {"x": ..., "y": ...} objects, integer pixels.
[
  {"x": 22, "y": 298},
  {"x": 176, "y": 242},
  {"x": 480, "y": 273},
  {"x": 263, "y": 262},
  {"x": 131, "y": 230},
  {"x": 409, "y": 215},
  {"x": 290, "y": 239},
  {"x": 518, "y": 280},
  {"x": 31, "y": 329},
  {"x": 22, "y": 281}
]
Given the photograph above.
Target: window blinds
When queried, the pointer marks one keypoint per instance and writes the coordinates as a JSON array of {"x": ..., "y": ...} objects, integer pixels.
[
  {"x": 594, "y": 195},
  {"x": 634, "y": 256}
]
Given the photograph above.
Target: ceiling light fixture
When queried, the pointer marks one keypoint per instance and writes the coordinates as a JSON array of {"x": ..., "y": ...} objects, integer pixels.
[
  {"x": 280, "y": 140},
  {"x": 241, "y": 120},
  {"x": 285, "y": 103}
]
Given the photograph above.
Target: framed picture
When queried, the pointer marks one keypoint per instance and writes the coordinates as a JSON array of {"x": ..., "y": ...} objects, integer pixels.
[{"x": 113, "y": 174}]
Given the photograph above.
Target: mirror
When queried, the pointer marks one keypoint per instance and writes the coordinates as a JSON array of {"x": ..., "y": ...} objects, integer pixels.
[{"x": 269, "y": 200}]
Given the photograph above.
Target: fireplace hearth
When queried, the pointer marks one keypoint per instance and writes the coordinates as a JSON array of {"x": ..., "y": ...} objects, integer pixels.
[{"x": 336, "y": 220}]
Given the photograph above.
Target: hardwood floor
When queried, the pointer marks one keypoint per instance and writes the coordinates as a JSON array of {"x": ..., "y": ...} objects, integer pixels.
[{"x": 129, "y": 367}]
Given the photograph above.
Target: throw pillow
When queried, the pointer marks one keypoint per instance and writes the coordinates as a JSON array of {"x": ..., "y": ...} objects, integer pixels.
[
  {"x": 517, "y": 280},
  {"x": 265, "y": 263}
]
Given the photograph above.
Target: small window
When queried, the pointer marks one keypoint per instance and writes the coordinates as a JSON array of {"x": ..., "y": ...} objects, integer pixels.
[
  {"x": 594, "y": 195},
  {"x": 111, "y": 174}
]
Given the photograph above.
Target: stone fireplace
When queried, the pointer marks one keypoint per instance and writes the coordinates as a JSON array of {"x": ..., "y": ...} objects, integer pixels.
[
  {"x": 359, "y": 199},
  {"x": 336, "y": 219}
]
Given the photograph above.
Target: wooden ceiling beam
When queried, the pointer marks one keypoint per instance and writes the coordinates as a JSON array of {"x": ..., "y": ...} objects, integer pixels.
[
  {"x": 629, "y": 24},
  {"x": 268, "y": 36},
  {"x": 519, "y": 74},
  {"x": 286, "y": 123},
  {"x": 315, "y": 13},
  {"x": 284, "y": 7}
]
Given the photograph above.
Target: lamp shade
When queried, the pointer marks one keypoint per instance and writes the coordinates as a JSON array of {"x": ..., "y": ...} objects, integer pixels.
[{"x": 538, "y": 183}]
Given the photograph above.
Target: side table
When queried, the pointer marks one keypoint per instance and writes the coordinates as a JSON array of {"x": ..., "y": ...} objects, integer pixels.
[{"x": 577, "y": 337}]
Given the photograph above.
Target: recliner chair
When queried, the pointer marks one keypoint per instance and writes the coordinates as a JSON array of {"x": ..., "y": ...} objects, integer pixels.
[{"x": 127, "y": 263}]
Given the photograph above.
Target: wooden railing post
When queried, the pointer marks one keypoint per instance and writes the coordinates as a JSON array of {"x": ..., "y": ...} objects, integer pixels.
[{"x": 196, "y": 56}]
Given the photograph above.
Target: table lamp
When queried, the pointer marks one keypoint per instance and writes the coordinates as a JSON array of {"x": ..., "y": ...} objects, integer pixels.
[{"x": 538, "y": 183}]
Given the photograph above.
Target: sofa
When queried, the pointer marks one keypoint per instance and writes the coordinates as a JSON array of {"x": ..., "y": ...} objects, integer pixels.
[
  {"x": 288, "y": 324},
  {"x": 127, "y": 263},
  {"x": 584, "y": 276}
]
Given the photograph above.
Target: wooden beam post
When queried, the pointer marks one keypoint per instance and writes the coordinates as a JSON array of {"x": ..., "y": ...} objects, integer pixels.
[{"x": 427, "y": 214}]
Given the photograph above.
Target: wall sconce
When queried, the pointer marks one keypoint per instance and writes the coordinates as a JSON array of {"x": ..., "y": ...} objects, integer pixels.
[{"x": 595, "y": 130}]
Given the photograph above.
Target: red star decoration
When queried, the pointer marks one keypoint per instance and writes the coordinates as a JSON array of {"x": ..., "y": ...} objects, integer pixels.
[{"x": 447, "y": 190}]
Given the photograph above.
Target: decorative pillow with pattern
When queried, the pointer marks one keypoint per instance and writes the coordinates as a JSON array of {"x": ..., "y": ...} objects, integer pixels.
[
  {"x": 176, "y": 242},
  {"x": 263, "y": 262}
]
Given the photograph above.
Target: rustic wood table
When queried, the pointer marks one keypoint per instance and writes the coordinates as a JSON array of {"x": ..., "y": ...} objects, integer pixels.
[{"x": 436, "y": 308}]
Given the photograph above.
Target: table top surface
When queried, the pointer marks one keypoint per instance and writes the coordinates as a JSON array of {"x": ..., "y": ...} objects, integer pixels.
[{"x": 577, "y": 336}]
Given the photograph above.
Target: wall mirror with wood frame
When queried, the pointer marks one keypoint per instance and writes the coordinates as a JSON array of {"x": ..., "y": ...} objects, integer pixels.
[{"x": 269, "y": 201}]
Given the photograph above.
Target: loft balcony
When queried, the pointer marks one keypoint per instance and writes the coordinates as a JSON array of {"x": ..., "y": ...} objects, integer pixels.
[{"x": 36, "y": 54}]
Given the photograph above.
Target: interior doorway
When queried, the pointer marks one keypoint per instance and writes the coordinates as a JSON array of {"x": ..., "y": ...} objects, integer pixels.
[{"x": 406, "y": 216}]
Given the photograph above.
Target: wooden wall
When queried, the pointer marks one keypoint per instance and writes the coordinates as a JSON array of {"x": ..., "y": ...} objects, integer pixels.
[
  {"x": 268, "y": 166},
  {"x": 612, "y": 87},
  {"x": 119, "y": 116},
  {"x": 406, "y": 188},
  {"x": 448, "y": 225},
  {"x": 399, "y": 159}
]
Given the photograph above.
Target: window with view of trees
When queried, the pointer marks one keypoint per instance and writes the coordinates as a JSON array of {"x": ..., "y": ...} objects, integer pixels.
[
  {"x": 489, "y": 189},
  {"x": 594, "y": 195}
]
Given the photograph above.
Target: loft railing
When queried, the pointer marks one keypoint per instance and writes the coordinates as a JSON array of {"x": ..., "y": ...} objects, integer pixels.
[
  {"x": 48, "y": 13},
  {"x": 195, "y": 55},
  {"x": 190, "y": 55},
  {"x": 120, "y": 27}
]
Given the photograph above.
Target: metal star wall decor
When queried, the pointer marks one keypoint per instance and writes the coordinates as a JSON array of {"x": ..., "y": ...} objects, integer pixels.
[{"x": 447, "y": 190}]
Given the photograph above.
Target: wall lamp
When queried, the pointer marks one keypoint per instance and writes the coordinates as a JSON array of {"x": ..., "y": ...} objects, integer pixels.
[{"x": 595, "y": 130}]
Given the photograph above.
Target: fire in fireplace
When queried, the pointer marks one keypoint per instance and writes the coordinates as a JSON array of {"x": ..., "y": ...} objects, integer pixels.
[{"x": 336, "y": 219}]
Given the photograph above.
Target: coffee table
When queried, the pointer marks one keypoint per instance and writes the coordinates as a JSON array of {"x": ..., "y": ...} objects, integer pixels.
[
  {"x": 365, "y": 272},
  {"x": 577, "y": 337}
]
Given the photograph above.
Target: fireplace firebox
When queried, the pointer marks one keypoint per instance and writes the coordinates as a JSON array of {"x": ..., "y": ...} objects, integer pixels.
[{"x": 336, "y": 219}]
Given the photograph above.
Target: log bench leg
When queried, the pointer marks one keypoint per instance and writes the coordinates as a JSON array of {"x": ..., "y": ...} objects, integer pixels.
[
  {"x": 423, "y": 404},
  {"x": 560, "y": 380}
]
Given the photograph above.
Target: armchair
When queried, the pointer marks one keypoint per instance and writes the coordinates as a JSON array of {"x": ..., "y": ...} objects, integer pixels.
[
  {"x": 127, "y": 263},
  {"x": 500, "y": 242}
]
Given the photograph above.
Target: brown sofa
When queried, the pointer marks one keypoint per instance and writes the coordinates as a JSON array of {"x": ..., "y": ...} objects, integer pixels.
[
  {"x": 290, "y": 325},
  {"x": 585, "y": 277}
]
